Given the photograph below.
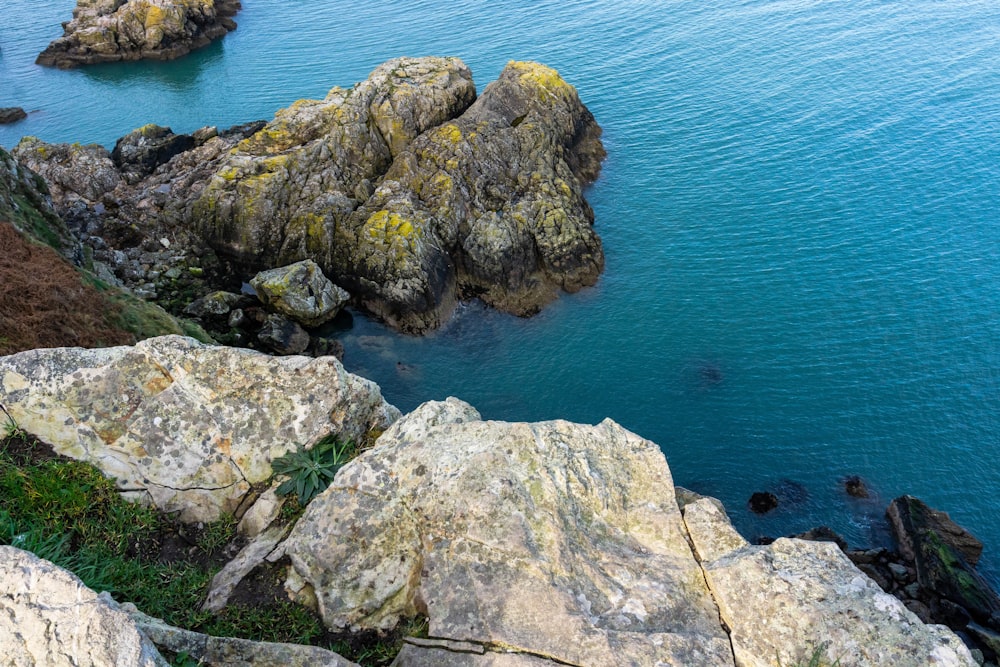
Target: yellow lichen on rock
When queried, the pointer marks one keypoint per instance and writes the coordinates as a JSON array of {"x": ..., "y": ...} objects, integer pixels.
[{"x": 546, "y": 79}]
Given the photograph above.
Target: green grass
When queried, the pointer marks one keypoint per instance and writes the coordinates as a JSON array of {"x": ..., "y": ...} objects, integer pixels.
[{"x": 66, "y": 512}]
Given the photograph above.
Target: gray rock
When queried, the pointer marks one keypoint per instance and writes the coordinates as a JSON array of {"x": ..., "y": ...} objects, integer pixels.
[
  {"x": 549, "y": 539},
  {"x": 215, "y": 304},
  {"x": 792, "y": 601},
  {"x": 141, "y": 151},
  {"x": 48, "y": 617},
  {"x": 283, "y": 336},
  {"x": 26, "y": 204},
  {"x": 230, "y": 651},
  {"x": 301, "y": 292},
  {"x": 72, "y": 171},
  {"x": 11, "y": 115},
  {"x": 113, "y": 30},
  {"x": 229, "y": 577},
  {"x": 940, "y": 550},
  {"x": 186, "y": 426}
]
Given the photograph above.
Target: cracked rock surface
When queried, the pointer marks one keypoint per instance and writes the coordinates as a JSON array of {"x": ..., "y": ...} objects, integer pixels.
[
  {"x": 555, "y": 540},
  {"x": 185, "y": 425}
]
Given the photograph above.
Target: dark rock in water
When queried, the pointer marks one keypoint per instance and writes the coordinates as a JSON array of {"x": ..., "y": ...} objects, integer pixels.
[
  {"x": 103, "y": 31},
  {"x": 790, "y": 492},
  {"x": 856, "y": 487},
  {"x": 11, "y": 115},
  {"x": 762, "y": 502},
  {"x": 709, "y": 374},
  {"x": 910, "y": 516},
  {"x": 141, "y": 151},
  {"x": 283, "y": 336},
  {"x": 823, "y": 534},
  {"x": 937, "y": 547}
]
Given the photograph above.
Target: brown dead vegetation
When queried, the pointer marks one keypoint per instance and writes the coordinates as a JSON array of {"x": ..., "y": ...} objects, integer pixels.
[{"x": 44, "y": 301}]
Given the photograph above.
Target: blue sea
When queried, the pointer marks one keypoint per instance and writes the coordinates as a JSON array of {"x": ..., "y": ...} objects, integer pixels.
[{"x": 800, "y": 209}]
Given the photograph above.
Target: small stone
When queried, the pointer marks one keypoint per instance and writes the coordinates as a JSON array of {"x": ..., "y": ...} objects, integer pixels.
[
  {"x": 762, "y": 502},
  {"x": 165, "y": 242},
  {"x": 912, "y": 590}
]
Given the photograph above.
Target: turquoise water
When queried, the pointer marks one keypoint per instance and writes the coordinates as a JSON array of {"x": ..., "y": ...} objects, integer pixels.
[{"x": 799, "y": 210}]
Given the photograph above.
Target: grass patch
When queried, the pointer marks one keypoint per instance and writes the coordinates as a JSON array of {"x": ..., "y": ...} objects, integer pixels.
[{"x": 66, "y": 512}]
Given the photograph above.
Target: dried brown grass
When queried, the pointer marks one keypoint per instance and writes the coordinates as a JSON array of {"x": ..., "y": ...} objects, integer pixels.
[{"x": 44, "y": 301}]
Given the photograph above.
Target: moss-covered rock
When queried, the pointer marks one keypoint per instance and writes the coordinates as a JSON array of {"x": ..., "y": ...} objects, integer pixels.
[
  {"x": 113, "y": 30},
  {"x": 26, "y": 204}
]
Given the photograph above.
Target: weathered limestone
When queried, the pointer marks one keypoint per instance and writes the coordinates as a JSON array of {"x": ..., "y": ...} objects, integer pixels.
[
  {"x": 25, "y": 203},
  {"x": 72, "y": 171},
  {"x": 556, "y": 540},
  {"x": 141, "y": 151},
  {"x": 112, "y": 30},
  {"x": 231, "y": 651},
  {"x": 186, "y": 426},
  {"x": 786, "y": 602},
  {"x": 48, "y": 617},
  {"x": 301, "y": 292}
]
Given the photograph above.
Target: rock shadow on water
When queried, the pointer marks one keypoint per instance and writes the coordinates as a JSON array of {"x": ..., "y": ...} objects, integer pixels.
[{"x": 702, "y": 375}]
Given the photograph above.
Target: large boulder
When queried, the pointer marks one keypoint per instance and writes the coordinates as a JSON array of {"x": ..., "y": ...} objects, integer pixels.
[
  {"x": 112, "y": 30},
  {"x": 551, "y": 539},
  {"x": 301, "y": 292},
  {"x": 794, "y": 601},
  {"x": 185, "y": 426},
  {"x": 489, "y": 204},
  {"x": 283, "y": 193},
  {"x": 48, "y": 617}
]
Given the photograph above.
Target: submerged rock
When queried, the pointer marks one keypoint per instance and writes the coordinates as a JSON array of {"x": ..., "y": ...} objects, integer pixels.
[
  {"x": 112, "y": 30},
  {"x": 185, "y": 426},
  {"x": 762, "y": 502},
  {"x": 48, "y": 617}
]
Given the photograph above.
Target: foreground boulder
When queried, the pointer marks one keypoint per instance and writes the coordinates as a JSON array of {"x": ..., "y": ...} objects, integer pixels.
[
  {"x": 112, "y": 30},
  {"x": 794, "y": 602},
  {"x": 185, "y": 426},
  {"x": 48, "y": 617},
  {"x": 552, "y": 540}
]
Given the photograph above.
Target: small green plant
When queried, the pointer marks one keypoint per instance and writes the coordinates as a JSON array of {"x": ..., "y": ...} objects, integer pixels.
[
  {"x": 10, "y": 427},
  {"x": 817, "y": 658},
  {"x": 310, "y": 471}
]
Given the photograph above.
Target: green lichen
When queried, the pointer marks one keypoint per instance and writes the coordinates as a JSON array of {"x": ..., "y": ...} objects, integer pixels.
[{"x": 546, "y": 80}]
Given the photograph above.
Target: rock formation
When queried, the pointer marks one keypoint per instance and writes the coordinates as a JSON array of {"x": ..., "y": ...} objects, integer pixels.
[
  {"x": 185, "y": 426},
  {"x": 11, "y": 115},
  {"x": 104, "y": 31},
  {"x": 48, "y": 617},
  {"x": 405, "y": 190}
]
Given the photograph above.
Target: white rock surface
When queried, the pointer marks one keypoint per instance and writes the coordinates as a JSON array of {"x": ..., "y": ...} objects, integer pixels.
[
  {"x": 786, "y": 601},
  {"x": 48, "y": 617},
  {"x": 188, "y": 426}
]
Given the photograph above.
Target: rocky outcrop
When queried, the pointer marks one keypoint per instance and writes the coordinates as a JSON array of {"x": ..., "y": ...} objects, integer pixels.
[
  {"x": 943, "y": 556},
  {"x": 185, "y": 426},
  {"x": 795, "y": 602},
  {"x": 48, "y": 617},
  {"x": 25, "y": 202},
  {"x": 104, "y": 31},
  {"x": 11, "y": 115},
  {"x": 405, "y": 190},
  {"x": 301, "y": 292},
  {"x": 554, "y": 540}
]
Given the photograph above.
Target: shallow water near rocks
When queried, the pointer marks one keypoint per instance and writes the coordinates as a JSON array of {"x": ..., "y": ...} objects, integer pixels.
[{"x": 799, "y": 210}]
